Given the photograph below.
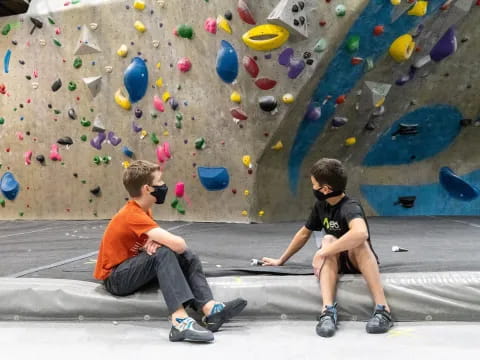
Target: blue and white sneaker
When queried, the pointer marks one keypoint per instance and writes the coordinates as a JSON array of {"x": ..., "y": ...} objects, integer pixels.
[
  {"x": 188, "y": 330},
  {"x": 223, "y": 312}
]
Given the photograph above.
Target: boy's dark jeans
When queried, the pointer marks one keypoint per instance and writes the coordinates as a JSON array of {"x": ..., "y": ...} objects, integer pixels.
[{"x": 180, "y": 277}]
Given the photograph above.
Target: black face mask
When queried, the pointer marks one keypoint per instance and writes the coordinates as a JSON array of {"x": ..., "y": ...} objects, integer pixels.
[
  {"x": 321, "y": 197},
  {"x": 160, "y": 193}
]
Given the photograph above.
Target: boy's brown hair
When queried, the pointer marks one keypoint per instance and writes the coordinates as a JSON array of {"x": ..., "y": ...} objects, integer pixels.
[
  {"x": 139, "y": 173},
  {"x": 330, "y": 172}
]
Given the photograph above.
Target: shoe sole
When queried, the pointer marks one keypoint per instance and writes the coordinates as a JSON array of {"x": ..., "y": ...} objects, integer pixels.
[
  {"x": 377, "y": 330},
  {"x": 232, "y": 312},
  {"x": 192, "y": 336}
]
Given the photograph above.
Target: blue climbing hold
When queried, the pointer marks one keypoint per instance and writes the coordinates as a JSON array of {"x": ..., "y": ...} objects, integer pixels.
[
  {"x": 213, "y": 178},
  {"x": 6, "y": 61},
  {"x": 9, "y": 186},
  {"x": 127, "y": 152},
  {"x": 456, "y": 186},
  {"x": 227, "y": 62},
  {"x": 136, "y": 79}
]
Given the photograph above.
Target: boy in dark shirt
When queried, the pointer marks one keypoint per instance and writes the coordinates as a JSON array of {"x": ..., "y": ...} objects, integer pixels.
[{"x": 345, "y": 247}]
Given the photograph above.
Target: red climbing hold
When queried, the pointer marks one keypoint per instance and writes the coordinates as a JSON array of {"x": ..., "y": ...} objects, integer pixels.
[
  {"x": 341, "y": 99},
  {"x": 323, "y": 23},
  {"x": 265, "y": 83},
  {"x": 3, "y": 89},
  {"x": 238, "y": 113},
  {"x": 245, "y": 13},
  {"x": 356, "y": 60},
  {"x": 251, "y": 66},
  {"x": 378, "y": 30}
]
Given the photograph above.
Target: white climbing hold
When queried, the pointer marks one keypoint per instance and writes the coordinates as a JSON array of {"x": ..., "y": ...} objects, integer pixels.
[
  {"x": 87, "y": 43},
  {"x": 294, "y": 21},
  {"x": 94, "y": 84},
  {"x": 108, "y": 69},
  {"x": 156, "y": 43},
  {"x": 98, "y": 124},
  {"x": 93, "y": 26},
  {"x": 42, "y": 42}
]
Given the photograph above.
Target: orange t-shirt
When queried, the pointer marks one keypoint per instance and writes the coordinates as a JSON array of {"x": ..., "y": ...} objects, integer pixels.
[{"x": 124, "y": 236}]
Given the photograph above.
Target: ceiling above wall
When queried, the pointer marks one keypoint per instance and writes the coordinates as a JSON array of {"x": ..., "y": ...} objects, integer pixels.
[{"x": 13, "y": 7}]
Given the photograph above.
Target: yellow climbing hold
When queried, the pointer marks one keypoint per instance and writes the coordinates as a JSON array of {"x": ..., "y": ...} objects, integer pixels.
[
  {"x": 166, "y": 96},
  {"x": 288, "y": 98},
  {"x": 125, "y": 164},
  {"x": 380, "y": 102},
  {"x": 122, "y": 50},
  {"x": 158, "y": 65},
  {"x": 419, "y": 9},
  {"x": 122, "y": 100},
  {"x": 143, "y": 134},
  {"x": 236, "y": 97},
  {"x": 350, "y": 141},
  {"x": 278, "y": 146},
  {"x": 247, "y": 160},
  {"x": 261, "y": 213},
  {"x": 395, "y": 2},
  {"x": 139, "y": 5},
  {"x": 402, "y": 48},
  {"x": 166, "y": 133},
  {"x": 223, "y": 24},
  {"x": 266, "y": 37},
  {"x": 244, "y": 212},
  {"x": 159, "y": 82},
  {"x": 246, "y": 193},
  {"x": 139, "y": 26}
]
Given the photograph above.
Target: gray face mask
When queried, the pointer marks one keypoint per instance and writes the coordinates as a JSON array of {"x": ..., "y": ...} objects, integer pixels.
[{"x": 160, "y": 193}]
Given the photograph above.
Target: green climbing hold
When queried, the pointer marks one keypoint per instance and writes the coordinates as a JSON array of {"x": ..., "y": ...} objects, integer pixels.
[
  {"x": 75, "y": 2},
  {"x": 154, "y": 138},
  {"x": 185, "y": 31},
  {"x": 51, "y": 21},
  {"x": 90, "y": 200},
  {"x": 56, "y": 42},
  {"x": 2, "y": 202},
  {"x": 97, "y": 160},
  {"x": 178, "y": 121},
  {"x": 72, "y": 86},
  {"x": 84, "y": 181},
  {"x": 353, "y": 43},
  {"x": 83, "y": 137},
  {"x": 200, "y": 143},
  {"x": 6, "y": 29},
  {"x": 106, "y": 159},
  {"x": 2, "y": 121},
  {"x": 20, "y": 213},
  {"x": 85, "y": 123},
  {"x": 77, "y": 63},
  {"x": 57, "y": 112},
  {"x": 154, "y": 115},
  {"x": 181, "y": 209},
  {"x": 174, "y": 203},
  {"x": 179, "y": 116}
]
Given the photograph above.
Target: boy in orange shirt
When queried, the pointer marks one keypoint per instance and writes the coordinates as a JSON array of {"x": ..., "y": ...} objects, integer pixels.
[{"x": 135, "y": 251}]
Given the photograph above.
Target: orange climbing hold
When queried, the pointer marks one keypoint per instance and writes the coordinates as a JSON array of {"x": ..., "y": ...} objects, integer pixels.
[
  {"x": 378, "y": 30},
  {"x": 341, "y": 99}
]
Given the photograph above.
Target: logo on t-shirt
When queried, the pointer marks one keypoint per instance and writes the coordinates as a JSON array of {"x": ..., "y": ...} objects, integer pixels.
[{"x": 330, "y": 224}]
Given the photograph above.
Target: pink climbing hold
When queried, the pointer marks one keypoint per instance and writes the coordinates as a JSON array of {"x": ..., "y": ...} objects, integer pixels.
[
  {"x": 184, "y": 65},
  {"x": 19, "y": 135},
  {"x": 158, "y": 104},
  {"x": 28, "y": 157},
  {"x": 54, "y": 154},
  {"x": 57, "y": 31},
  {"x": 251, "y": 66},
  {"x": 245, "y": 13},
  {"x": 265, "y": 83},
  {"x": 210, "y": 25},
  {"x": 163, "y": 152},
  {"x": 238, "y": 113},
  {"x": 179, "y": 189}
]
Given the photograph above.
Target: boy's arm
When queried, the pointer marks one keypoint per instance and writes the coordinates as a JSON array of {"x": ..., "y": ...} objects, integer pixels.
[
  {"x": 165, "y": 238},
  {"x": 354, "y": 237},
  {"x": 298, "y": 241}
]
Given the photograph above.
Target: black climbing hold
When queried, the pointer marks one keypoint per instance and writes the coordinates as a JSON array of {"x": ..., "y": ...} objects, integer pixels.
[
  {"x": 14, "y": 42},
  {"x": 307, "y": 55},
  {"x": 21, "y": 106},
  {"x": 301, "y": 4},
  {"x": 302, "y": 20},
  {"x": 173, "y": 104},
  {"x": 66, "y": 140},
  {"x": 28, "y": 77},
  {"x": 96, "y": 191},
  {"x": 295, "y": 8},
  {"x": 466, "y": 122},
  {"x": 138, "y": 113},
  {"x": 267, "y": 103},
  {"x": 406, "y": 201},
  {"x": 40, "y": 159},
  {"x": 296, "y": 22},
  {"x": 56, "y": 85},
  {"x": 36, "y": 24},
  {"x": 370, "y": 126},
  {"x": 228, "y": 15},
  {"x": 75, "y": 175},
  {"x": 72, "y": 114},
  {"x": 21, "y": 62},
  {"x": 406, "y": 129},
  {"x": 49, "y": 106},
  {"x": 28, "y": 133},
  {"x": 309, "y": 62}
]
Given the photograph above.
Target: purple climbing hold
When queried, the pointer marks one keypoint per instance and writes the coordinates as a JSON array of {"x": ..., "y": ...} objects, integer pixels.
[
  {"x": 114, "y": 139},
  {"x": 445, "y": 47},
  {"x": 296, "y": 68},
  {"x": 135, "y": 127},
  {"x": 97, "y": 141},
  {"x": 406, "y": 78},
  {"x": 285, "y": 57},
  {"x": 173, "y": 103},
  {"x": 314, "y": 112}
]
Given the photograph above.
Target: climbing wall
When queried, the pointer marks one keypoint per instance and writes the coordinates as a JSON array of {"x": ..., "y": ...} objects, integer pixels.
[{"x": 236, "y": 99}]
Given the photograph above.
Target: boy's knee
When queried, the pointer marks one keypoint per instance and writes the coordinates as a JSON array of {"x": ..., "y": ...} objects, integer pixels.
[{"x": 164, "y": 252}]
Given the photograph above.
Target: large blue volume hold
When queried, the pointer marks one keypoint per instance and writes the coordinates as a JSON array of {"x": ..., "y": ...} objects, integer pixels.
[
  {"x": 227, "y": 62},
  {"x": 136, "y": 79},
  {"x": 213, "y": 178},
  {"x": 9, "y": 186},
  {"x": 456, "y": 186}
]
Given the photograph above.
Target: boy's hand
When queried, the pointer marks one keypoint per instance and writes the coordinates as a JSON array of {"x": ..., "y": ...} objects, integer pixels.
[
  {"x": 151, "y": 247},
  {"x": 271, "y": 262},
  {"x": 317, "y": 263}
]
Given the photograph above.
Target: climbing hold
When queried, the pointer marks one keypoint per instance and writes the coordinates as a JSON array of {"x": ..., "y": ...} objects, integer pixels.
[
  {"x": 6, "y": 29},
  {"x": 143, "y": 134},
  {"x": 250, "y": 66},
  {"x": 86, "y": 44},
  {"x": 314, "y": 112},
  {"x": 210, "y": 25},
  {"x": 57, "y": 43},
  {"x": 96, "y": 191},
  {"x": 27, "y": 156},
  {"x": 40, "y": 159},
  {"x": 236, "y": 97},
  {"x": 163, "y": 152},
  {"x": 320, "y": 46},
  {"x": 113, "y": 139},
  {"x": 227, "y": 62},
  {"x": 122, "y": 50},
  {"x": 395, "y": 2},
  {"x": 2, "y": 120},
  {"x": 97, "y": 160},
  {"x": 295, "y": 66},
  {"x": 238, "y": 113},
  {"x": 54, "y": 154},
  {"x": 127, "y": 152},
  {"x": 228, "y": 15},
  {"x": 290, "y": 14},
  {"x": 278, "y": 146},
  {"x": 456, "y": 186},
  {"x": 338, "y": 121},
  {"x": 213, "y": 178},
  {"x": 56, "y": 85},
  {"x": 245, "y": 13},
  {"x": 159, "y": 82},
  {"x": 200, "y": 143},
  {"x": 37, "y": 24},
  {"x": 97, "y": 141},
  {"x": 93, "y": 26},
  {"x": 2, "y": 202},
  {"x": 402, "y": 48},
  {"x": 265, "y": 83},
  {"x": 350, "y": 141},
  {"x": 72, "y": 86},
  {"x": 108, "y": 69},
  {"x": 419, "y": 9},
  {"x": 66, "y": 140},
  {"x": 139, "y": 4},
  {"x": 288, "y": 98},
  {"x": 378, "y": 30},
  {"x": 340, "y": 10},
  {"x": 353, "y": 43},
  {"x": 72, "y": 114},
  {"x": 356, "y": 60},
  {"x": 138, "y": 113},
  {"x": 223, "y": 24},
  {"x": 244, "y": 213},
  {"x": 94, "y": 84},
  {"x": 9, "y": 186},
  {"x": 266, "y": 37},
  {"x": 126, "y": 164},
  {"x": 340, "y": 99},
  {"x": 261, "y": 213},
  {"x": 246, "y": 192},
  {"x": 173, "y": 103},
  {"x": 158, "y": 104},
  {"x": 154, "y": 138},
  {"x": 178, "y": 121},
  {"x": 179, "y": 189},
  {"x": 77, "y": 63},
  {"x": 184, "y": 31},
  {"x": 136, "y": 79},
  {"x": 268, "y": 103},
  {"x": 184, "y": 64},
  {"x": 445, "y": 47},
  {"x": 166, "y": 96},
  {"x": 139, "y": 26},
  {"x": 247, "y": 161}
]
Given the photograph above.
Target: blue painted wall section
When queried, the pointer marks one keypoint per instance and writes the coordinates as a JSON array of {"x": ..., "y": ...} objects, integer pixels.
[
  {"x": 438, "y": 126},
  {"x": 341, "y": 76}
]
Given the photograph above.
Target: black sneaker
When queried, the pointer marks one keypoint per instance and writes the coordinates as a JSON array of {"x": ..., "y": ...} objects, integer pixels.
[
  {"x": 222, "y": 312},
  {"x": 189, "y": 330},
  {"x": 327, "y": 321},
  {"x": 380, "y": 322}
]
